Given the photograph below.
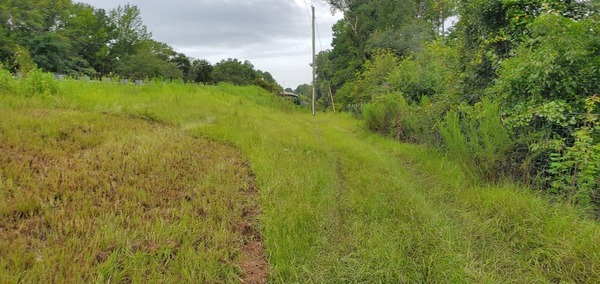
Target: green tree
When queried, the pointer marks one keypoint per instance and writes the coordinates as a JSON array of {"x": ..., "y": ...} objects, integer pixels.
[
  {"x": 200, "y": 71},
  {"x": 490, "y": 30},
  {"x": 304, "y": 89},
  {"x": 235, "y": 72},
  {"x": 129, "y": 31},
  {"x": 51, "y": 53},
  {"x": 89, "y": 33},
  {"x": 183, "y": 63},
  {"x": 151, "y": 59},
  {"x": 398, "y": 25}
]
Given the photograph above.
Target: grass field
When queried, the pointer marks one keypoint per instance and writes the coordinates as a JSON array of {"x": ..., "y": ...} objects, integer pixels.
[{"x": 154, "y": 183}]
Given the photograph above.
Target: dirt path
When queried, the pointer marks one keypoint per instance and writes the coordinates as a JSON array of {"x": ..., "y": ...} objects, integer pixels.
[{"x": 254, "y": 266}]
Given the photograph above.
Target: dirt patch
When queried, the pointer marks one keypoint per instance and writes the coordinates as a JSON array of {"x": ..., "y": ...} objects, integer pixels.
[{"x": 254, "y": 266}]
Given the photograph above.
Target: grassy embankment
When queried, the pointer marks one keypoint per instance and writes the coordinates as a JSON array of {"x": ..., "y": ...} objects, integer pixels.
[{"x": 338, "y": 204}]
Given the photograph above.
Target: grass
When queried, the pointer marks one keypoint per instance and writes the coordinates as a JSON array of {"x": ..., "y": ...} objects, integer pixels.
[
  {"x": 338, "y": 204},
  {"x": 88, "y": 197}
]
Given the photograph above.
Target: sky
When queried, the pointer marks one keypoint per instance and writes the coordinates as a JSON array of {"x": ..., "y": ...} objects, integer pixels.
[{"x": 275, "y": 35}]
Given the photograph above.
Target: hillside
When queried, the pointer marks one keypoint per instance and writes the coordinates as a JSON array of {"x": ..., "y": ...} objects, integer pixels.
[{"x": 170, "y": 182}]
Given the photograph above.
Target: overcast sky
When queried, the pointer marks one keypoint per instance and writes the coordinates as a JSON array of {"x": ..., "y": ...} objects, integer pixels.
[{"x": 275, "y": 35}]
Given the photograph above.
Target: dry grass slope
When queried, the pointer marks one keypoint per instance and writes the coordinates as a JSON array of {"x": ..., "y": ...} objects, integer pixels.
[{"x": 127, "y": 200}]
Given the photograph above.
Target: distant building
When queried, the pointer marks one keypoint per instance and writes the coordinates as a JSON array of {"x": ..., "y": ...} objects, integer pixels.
[{"x": 289, "y": 94}]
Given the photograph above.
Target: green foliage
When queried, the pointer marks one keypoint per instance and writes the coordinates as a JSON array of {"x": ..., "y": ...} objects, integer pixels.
[
  {"x": 304, "y": 89},
  {"x": 23, "y": 61},
  {"x": 39, "y": 83},
  {"x": 129, "y": 30},
  {"x": 151, "y": 60},
  {"x": 8, "y": 84},
  {"x": 401, "y": 26},
  {"x": 544, "y": 89},
  {"x": 200, "y": 71},
  {"x": 575, "y": 169},
  {"x": 372, "y": 82},
  {"x": 477, "y": 137},
  {"x": 34, "y": 83},
  {"x": 559, "y": 62},
  {"x": 489, "y": 31},
  {"x": 233, "y": 71},
  {"x": 382, "y": 114},
  {"x": 432, "y": 71},
  {"x": 426, "y": 82}
]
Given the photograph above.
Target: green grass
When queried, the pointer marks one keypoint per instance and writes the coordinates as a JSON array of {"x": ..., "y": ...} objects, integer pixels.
[{"x": 338, "y": 204}]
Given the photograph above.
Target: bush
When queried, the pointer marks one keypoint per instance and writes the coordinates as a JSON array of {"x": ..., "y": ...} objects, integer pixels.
[
  {"x": 393, "y": 116},
  {"x": 39, "y": 83},
  {"x": 7, "y": 82},
  {"x": 575, "y": 170},
  {"x": 431, "y": 72},
  {"x": 476, "y": 136},
  {"x": 382, "y": 115},
  {"x": 544, "y": 87}
]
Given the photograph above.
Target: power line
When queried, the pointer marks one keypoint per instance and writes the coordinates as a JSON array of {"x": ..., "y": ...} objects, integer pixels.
[
  {"x": 319, "y": 35},
  {"x": 307, "y": 11},
  {"x": 310, "y": 19}
]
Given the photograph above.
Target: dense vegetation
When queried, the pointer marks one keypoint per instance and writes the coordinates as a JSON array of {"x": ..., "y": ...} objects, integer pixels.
[
  {"x": 77, "y": 39},
  {"x": 134, "y": 184},
  {"x": 511, "y": 90}
]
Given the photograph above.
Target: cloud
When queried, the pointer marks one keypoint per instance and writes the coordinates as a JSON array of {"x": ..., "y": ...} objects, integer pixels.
[
  {"x": 266, "y": 32},
  {"x": 230, "y": 23}
]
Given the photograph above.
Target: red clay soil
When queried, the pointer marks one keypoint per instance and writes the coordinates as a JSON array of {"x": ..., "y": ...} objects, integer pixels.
[{"x": 254, "y": 266}]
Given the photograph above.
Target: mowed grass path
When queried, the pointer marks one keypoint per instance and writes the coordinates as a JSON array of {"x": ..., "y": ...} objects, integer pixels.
[{"x": 340, "y": 205}]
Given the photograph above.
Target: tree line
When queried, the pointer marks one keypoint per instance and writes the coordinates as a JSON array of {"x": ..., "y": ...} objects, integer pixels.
[
  {"x": 77, "y": 39},
  {"x": 511, "y": 89}
]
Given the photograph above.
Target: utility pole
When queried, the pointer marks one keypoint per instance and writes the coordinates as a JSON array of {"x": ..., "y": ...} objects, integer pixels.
[
  {"x": 314, "y": 87},
  {"x": 331, "y": 97}
]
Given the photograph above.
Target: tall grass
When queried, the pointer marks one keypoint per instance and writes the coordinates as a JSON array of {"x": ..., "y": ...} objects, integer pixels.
[
  {"x": 341, "y": 205},
  {"x": 476, "y": 137}
]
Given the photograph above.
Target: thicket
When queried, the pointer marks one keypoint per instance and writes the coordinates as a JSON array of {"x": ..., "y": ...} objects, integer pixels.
[{"x": 511, "y": 92}]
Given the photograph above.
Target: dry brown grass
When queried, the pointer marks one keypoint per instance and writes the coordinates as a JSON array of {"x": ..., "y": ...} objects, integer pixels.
[{"x": 91, "y": 197}]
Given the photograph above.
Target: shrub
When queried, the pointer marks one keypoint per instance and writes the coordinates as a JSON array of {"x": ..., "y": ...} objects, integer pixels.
[
  {"x": 476, "y": 136},
  {"x": 575, "y": 170},
  {"x": 39, "y": 83},
  {"x": 431, "y": 72},
  {"x": 7, "y": 82},
  {"x": 382, "y": 115}
]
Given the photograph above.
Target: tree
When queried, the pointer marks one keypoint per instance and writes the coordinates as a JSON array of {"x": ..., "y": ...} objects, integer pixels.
[
  {"x": 89, "y": 34},
  {"x": 151, "y": 59},
  {"x": 368, "y": 26},
  {"x": 129, "y": 31},
  {"x": 304, "y": 89},
  {"x": 235, "y": 72},
  {"x": 52, "y": 53},
  {"x": 183, "y": 63},
  {"x": 200, "y": 71},
  {"x": 490, "y": 30}
]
